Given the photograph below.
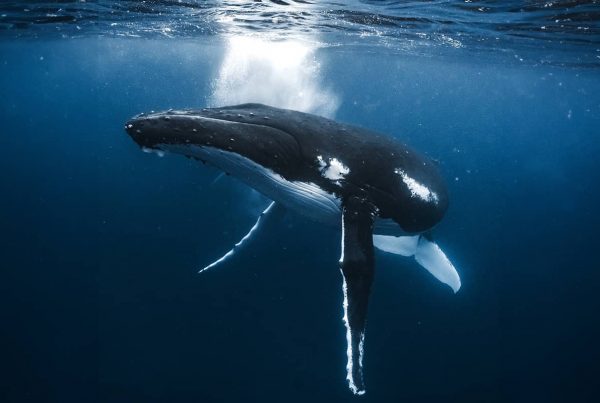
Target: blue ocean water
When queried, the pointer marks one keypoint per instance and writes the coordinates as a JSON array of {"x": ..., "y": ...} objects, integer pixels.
[{"x": 100, "y": 296}]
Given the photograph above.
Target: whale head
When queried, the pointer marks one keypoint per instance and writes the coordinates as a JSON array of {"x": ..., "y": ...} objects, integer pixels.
[{"x": 194, "y": 132}]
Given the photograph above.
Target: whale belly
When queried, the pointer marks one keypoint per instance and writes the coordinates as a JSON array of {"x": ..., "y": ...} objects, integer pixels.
[{"x": 304, "y": 198}]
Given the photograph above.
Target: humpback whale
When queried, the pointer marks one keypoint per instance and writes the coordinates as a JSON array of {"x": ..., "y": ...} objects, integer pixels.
[{"x": 380, "y": 192}]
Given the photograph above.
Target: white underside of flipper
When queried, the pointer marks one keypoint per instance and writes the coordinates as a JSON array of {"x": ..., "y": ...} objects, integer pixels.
[
  {"x": 428, "y": 254},
  {"x": 399, "y": 245},
  {"x": 271, "y": 210},
  {"x": 432, "y": 258}
]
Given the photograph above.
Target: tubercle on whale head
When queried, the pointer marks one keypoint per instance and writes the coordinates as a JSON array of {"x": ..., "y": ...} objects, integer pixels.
[
  {"x": 197, "y": 127},
  {"x": 150, "y": 130},
  {"x": 242, "y": 132}
]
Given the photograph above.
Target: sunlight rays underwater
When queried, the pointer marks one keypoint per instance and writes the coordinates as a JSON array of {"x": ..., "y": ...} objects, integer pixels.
[{"x": 269, "y": 69}]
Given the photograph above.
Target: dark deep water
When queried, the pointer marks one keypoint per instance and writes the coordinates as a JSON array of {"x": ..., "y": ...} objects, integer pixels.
[{"x": 100, "y": 299}]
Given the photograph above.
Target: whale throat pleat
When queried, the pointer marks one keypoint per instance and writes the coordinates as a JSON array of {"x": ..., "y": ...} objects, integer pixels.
[{"x": 305, "y": 198}]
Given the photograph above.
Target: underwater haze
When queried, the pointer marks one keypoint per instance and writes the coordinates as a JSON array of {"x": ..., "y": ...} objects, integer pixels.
[{"x": 100, "y": 296}]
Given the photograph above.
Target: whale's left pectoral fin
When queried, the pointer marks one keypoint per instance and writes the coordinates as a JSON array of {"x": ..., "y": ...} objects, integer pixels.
[
  {"x": 357, "y": 265},
  {"x": 426, "y": 252},
  {"x": 434, "y": 260},
  {"x": 273, "y": 212}
]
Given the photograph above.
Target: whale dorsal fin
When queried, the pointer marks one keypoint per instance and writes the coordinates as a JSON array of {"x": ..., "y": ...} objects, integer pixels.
[{"x": 357, "y": 264}]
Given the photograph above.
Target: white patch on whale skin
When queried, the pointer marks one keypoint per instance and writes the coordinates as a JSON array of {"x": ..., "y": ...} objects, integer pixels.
[
  {"x": 147, "y": 150},
  {"x": 417, "y": 189},
  {"x": 303, "y": 198},
  {"x": 333, "y": 169}
]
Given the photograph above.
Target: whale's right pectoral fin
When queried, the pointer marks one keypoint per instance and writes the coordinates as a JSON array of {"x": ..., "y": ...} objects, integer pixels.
[
  {"x": 427, "y": 253},
  {"x": 274, "y": 211},
  {"x": 357, "y": 265}
]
